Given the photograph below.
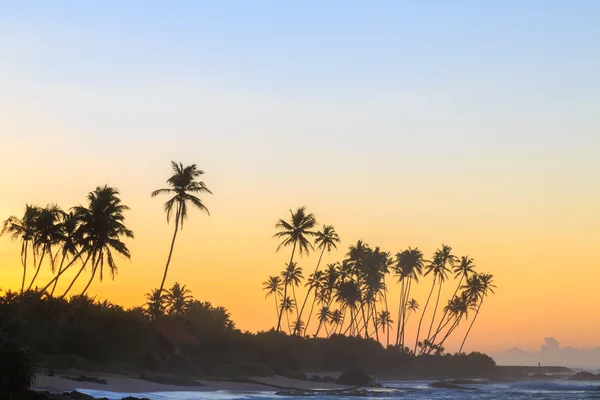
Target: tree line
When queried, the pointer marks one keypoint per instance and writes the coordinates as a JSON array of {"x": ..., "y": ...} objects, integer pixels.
[{"x": 351, "y": 296}]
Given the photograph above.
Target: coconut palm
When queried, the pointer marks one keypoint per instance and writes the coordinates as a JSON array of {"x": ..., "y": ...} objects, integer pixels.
[
  {"x": 295, "y": 233},
  {"x": 324, "y": 316},
  {"x": 408, "y": 268},
  {"x": 184, "y": 186},
  {"x": 349, "y": 297},
  {"x": 326, "y": 239},
  {"x": 288, "y": 306},
  {"x": 23, "y": 229},
  {"x": 68, "y": 241},
  {"x": 47, "y": 234},
  {"x": 477, "y": 287},
  {"x": 336, "y": 318},
  {"x": 444, "y": 259},
  {"x": 385, "y": 321},
  {"x": 100, "y": 231},
  {"x": 273, "y": 287},
  {"x": 462, "y": 271},
  {"x": 315, "y": 282},
  {"x": 155, "y": 304},
  {"x": 293, "y": 276},
  {"x": 177, "y": 299}
]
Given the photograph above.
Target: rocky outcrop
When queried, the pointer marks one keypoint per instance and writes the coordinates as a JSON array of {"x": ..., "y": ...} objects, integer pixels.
[
  {"x": 355, "y": 378},
  {"x": 74, "y": 395},
  {"x": 585, "y": 376}
]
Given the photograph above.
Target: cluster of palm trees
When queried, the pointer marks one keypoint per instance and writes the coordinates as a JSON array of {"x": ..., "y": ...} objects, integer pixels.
[
  {"x": 91, "y": 235},
  {"x": 173, "y": 301},
  {"x": 86, "y": 235},
  {"x": 351, "y": 296}
]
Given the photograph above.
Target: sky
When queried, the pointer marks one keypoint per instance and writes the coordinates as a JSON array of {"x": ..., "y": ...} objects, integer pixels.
[{"x": 475, "y": 124}]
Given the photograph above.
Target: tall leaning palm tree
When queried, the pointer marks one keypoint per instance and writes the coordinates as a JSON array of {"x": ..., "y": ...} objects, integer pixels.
[
  {"x": 101, "y": 228},
  {"x": 184, "y": 186},
  {"x": 477, "y": 287},
  {"x": 326, "y": 239},
  {"x": 294, "y": 233},
  {"x": 23, "y": 229},
  {"x": 47, "y": 235},
  {"x": 273, "y": 288}
]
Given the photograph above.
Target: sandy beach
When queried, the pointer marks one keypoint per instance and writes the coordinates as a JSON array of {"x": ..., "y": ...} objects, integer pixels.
[{"x": 122, "y": 384}]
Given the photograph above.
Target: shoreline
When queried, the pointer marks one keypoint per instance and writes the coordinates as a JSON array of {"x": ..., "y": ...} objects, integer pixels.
[{"x": 122, "y": 384}]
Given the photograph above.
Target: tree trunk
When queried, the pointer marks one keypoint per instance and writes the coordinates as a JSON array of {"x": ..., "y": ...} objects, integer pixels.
[
  {"x": 76, "y": 276},
  {"x": 94, "y": 269},
  {"x": 437, "y": 302},
  {"x": 400, "y": 306},
  {"x": 423, "y": 314},
  {"x": 285, "y": 285},
  {"x": 162, "y": 283},
  {"x": 26, "y": 244},
  {"x": 470, "y": 326},
  {"x": 309, "y": 289},
  {"x": 38, "y": 269},
  {"x": 439, "y": 329},
  {"x": 59, "y": 270},
  {"x": 312, "y": 307}
]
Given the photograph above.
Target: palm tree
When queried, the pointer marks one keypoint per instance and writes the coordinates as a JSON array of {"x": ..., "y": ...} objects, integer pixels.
[
  {"x": 316, "y": 281},
  {"x": 100, "y": 231},
  {"x": 273, "y": 287},
  {"x": 324, "y": 316},
  {"x": 478, "y": 287},
  {"x": 47, "y": 235},
  {"x": 326, "y": 239},
  {"x": 444, "y": 259},
  {"x": 178, "y": 299},
  {"x": 68, "y": 241},
  {"x": 155, "y": 305},
  {"x": 287, "y": 305},
  {"x": 408, "y": 267},
  {"x": 23, "y": 229},
  {"x": 184, "y": 185},
  {"x": 294, "y": 233},
  {"x": 462, "y": 271},
  {"x": 349, "y": 296},
  {"x": 385, "y": 321},
  {"x": 335, "y": 319},
  {"x": 293, "y": 276}
]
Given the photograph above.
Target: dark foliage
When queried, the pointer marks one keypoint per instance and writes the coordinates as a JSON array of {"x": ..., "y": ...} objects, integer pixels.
[{"x": 16, "y": 369}]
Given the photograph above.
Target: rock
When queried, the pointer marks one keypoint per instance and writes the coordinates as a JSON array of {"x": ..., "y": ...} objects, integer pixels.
[
  {"x": 584, "y": 376},
  {"x": 328, "y": 379},
  {"x": 315, "y": 378},
  {"x": 31, "y": 395},
  {"x": 355, "y": 378},
  {"x": 448, "y": 385}
]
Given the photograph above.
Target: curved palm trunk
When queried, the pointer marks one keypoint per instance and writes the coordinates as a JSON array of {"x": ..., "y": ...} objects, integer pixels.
[
  {"x": 423, "y": 314},
  {"x": 435, "y": 309},
  {"x": 452, "y": 328},
  {"x": 162, "y": 283},
  {"x": 405, "y": 314},
  {"x": 400, "y": 308},
  {"x": 296, "y": 303},
  {"x": 309, "y": 289},
  {"x": 94, "y": 269},
  {"x": 312, "y": 308},
  {"x": 440, "y": 328},
  {"x": 375, "y": 321},
  {"x": 76, "y": 276},
  {"x": 285, "y": 286},
  {"x": 59, "y": 271},
  {"x": 470, "y": 326},
  {"x": 38, "y": 269},
  {"x": 26, "y": 245}
]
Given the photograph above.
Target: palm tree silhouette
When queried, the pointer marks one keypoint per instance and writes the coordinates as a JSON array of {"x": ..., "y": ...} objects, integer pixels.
[
  {"x": 68, "y": 241},
  {"x": 462, "y": 271},
  {"x": 287, "y": 305},
  {"x": 477, "y": 287},
  {"x": 273, "y": 287},
  {"x": 316, "y": 281},
  {"x": 293, "y": 276},
  {"x": 23, "y": 229},
  {"x": 155, "y": 305},
  {"x": 326, "y": 239},
  {"x": 408, "y": 268},
  {"x": 47, "y": 234},
  {"x": 444, "y": 258},
  {"x": 184, "y": 186},
  {"x": 178, "y": 299},
  {"x": 294, "y": 233},
  {"x": 385, "y": 321},
  {"x": 101, "y": 227}
]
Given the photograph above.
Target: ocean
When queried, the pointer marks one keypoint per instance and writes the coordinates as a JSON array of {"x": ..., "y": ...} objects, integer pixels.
[{"x": 555, "y": 389}]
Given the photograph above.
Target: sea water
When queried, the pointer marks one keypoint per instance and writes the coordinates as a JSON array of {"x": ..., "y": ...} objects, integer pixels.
[{"x": 556, "y": 389}]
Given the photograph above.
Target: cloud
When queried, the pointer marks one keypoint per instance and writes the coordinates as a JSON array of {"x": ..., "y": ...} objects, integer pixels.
[{"x": 550, "y": 353}]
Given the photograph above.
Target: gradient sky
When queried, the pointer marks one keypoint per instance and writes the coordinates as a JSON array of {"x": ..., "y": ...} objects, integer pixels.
[{"x": 472, "y": 123}]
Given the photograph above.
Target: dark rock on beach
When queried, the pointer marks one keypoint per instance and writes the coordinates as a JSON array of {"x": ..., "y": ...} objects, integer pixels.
[
  {"x": 328, "y": 379},
  {"x": 315, "y": 378},
  {"x": 584, "y": 376},
  {"x": 355, "y": 378},
  {"x": 74, "y": 395},
  {"x": 448, "y": 385},
  {"x": 83, "y": 378}
]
